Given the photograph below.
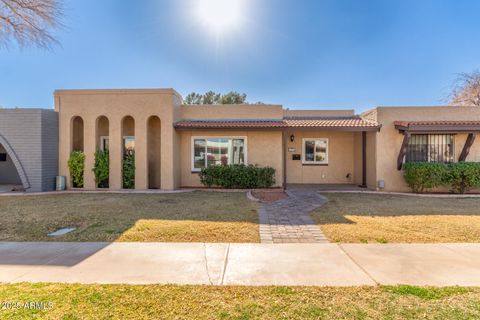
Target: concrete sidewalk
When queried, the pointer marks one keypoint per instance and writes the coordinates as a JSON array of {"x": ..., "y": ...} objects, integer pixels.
[{"x": 241, "y": 264}]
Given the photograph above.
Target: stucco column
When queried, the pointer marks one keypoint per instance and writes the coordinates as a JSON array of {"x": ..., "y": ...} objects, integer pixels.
[
  {"x": 115, "y": 150},
  {"x": 141, "y": 167},
  {"x": 89, "y": 145},
  {"x": 168, "y": 149},
  {"x": 64, "y": 141}
]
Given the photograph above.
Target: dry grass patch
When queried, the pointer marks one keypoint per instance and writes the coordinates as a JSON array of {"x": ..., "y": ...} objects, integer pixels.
[
  {"x": 182, "y": 217},
  {"x": 353, "y": 218},
  {"x": 209, "y": 302}
]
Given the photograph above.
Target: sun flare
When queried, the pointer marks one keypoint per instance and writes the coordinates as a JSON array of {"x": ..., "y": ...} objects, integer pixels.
[{"x": 221, "y": 15}]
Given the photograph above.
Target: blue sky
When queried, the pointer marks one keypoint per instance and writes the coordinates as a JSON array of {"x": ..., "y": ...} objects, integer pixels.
[{"x": 302, "y": 54}]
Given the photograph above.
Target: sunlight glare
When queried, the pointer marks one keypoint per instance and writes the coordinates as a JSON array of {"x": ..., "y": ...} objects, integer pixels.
[{"x": 220, "y": 15}]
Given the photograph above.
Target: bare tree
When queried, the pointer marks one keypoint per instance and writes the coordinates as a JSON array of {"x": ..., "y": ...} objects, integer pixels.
[
  {"x": 466, "y": 91},
  {"x": 29, "y": 22}
]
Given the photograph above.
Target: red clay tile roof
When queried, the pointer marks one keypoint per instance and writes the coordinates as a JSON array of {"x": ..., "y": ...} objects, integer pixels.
[
  {"x": 325, "y": 122},
  {"x": 437, "y": 123},
  {"x": 288, "y": 122},
  {"x": 438, "y": 126}
]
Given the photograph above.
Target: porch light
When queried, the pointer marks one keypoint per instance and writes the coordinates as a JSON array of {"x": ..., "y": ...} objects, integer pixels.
[{"x": 292, "y": 138}]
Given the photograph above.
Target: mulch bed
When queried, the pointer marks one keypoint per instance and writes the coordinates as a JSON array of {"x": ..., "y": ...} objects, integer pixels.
[{"x": 269, "y": 196}]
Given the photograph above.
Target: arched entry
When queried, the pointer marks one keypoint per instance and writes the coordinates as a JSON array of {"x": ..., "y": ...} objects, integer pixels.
[
  {"x": 153, "y": 152},
  {"x": 128, "y": 145},
  {"x": 11, "y": 156},
  {"x": 77, "y": 134},
  {"x": 102, "y": 155}
]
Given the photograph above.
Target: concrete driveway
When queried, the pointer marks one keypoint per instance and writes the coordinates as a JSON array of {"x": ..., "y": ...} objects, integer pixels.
[{"x": 241, "y": 264}]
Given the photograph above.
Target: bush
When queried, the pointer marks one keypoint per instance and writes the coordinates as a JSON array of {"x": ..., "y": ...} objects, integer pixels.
[
  {"x": 424, "y": 175},
  {"x": 76, "y": 165},
  {"x": 238, "y": 176},
  {"x": 129, "y": 171},
  {"x": 463, "y": 176},
  {"x": 460, "y": 176},
  {"x": 101, "y": 168}
]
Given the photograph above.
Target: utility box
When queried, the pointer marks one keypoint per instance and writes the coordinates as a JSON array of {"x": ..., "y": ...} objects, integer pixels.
[{"x": 60, "y": 183}]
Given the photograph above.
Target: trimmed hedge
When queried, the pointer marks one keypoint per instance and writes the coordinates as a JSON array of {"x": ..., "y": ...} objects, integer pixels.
[
  {"x": 424, "y": 175},
  {"x": 238, "y": 176},
  {"x": 101, "y": 168},
  {"x": 76, "y": 166},
  {"x": 463, "y": 176},
  {"x": 459, "y": 177},
  {"x": 128, "y": 171}
]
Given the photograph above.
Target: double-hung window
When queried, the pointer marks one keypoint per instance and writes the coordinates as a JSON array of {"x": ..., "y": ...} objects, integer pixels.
[
  {"x": 208, "y": 151},
  {"x": 430, "y": 148},
  {"x": 315, "y": 151}
]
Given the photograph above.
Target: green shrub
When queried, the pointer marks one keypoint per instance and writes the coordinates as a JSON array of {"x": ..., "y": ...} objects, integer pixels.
[
  {"x": 424, "y": 175},
  {"x": 238, "y": 176},
  {"x": 129, "y": 171},
  {"x": 101, "y": 168},
  {"x": 76, "y": 165},
  {"x": 463, "y": 176},
  {"x": 459, "y": 176}
]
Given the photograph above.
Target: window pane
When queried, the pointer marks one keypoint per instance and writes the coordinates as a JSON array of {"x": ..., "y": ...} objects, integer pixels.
[
  {"x": 128, "y": 145},
  {"x": 310, "y": 150},
  {"x": 430, "y": 148},
  {"x": 417, "y": 149},
  {"x": 449, "y": 155},
  {"x": 320, "y": 151},
  {"x": 238, "y": 151},
  {"x": 217, "y": 151},
  {"x": 199, "y": 153}
]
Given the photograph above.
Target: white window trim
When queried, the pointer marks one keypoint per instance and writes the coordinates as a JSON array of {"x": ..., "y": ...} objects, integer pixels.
[
  {"x": 315, "y": 162},
  {"x": 192, "y": 149}
]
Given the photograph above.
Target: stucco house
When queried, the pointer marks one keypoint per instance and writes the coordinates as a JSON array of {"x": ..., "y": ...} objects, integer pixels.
[{"x": 172, "y": 141}]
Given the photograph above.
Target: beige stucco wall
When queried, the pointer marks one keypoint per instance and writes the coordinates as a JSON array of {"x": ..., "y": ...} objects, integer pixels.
[
  {"x": 318, "y": 113},
  {"x": 264, "y": 148},
  {"x": 233, "y": 112},
  {"x": 115, "y": 105},
  {"x": 357, "y": 155},
  {"x": 341, "y": 158},
  {"x": 372, "y": 154},
  {"x": 389, "y": 139}
]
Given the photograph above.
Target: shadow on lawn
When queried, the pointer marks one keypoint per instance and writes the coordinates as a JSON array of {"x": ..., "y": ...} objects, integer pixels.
[{"x": 105, "y": 217}]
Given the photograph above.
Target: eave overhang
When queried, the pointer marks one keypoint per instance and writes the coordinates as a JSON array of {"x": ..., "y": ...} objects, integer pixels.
[{"x": 437, "y": 126}]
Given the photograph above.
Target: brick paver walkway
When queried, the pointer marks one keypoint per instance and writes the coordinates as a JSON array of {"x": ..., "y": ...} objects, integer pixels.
[{"x": 288, "y": 220}]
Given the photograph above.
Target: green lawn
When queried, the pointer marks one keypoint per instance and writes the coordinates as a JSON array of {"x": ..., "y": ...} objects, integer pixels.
[
  {"x": 209, "y": 302},
  {"x": 348, "y": 217},
  {"x": 196, "y": 217}
]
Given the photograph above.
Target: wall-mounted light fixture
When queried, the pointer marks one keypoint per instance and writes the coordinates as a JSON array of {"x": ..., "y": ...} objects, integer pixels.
[{"x": 292, "y": 138}]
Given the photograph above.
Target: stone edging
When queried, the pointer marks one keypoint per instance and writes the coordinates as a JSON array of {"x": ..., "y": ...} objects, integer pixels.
[{"x": 251, "y": 197}]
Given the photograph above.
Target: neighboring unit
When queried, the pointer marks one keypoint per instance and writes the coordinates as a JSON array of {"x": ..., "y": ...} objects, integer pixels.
[{"x": 28, "y": 149}]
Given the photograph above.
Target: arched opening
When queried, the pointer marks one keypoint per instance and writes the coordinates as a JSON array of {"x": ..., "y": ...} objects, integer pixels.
[
  {"x": 128, "y": 146},
  {"x": 77, "y": 134},
  {"x": 153, "y": 152},
  {"x": 102, "y": 157},
  {"x": 76, "y": 161},
  {"x": 10, "y": 179}
]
